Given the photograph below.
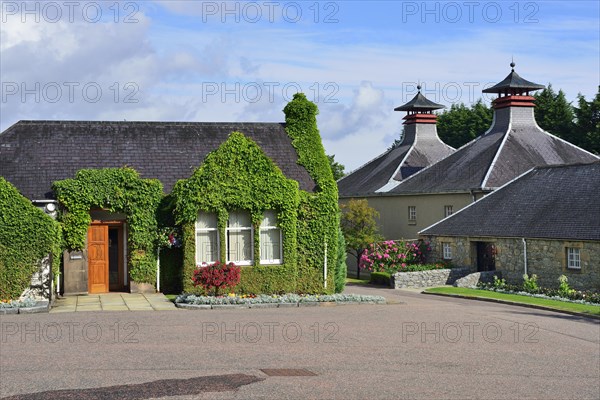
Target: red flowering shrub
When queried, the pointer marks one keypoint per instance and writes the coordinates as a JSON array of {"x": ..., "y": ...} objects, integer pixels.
[{"x": 215, "y": 276}]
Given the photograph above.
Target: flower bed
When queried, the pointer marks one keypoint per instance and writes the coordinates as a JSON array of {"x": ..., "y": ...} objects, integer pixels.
[
  {"x": 530, "y": 288},
  {"x": 291, "y": 298},
  {"x": 25, "y": 303}
]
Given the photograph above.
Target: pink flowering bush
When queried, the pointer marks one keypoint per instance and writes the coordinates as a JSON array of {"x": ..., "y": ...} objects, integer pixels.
[{"x": 393, "y": 256}]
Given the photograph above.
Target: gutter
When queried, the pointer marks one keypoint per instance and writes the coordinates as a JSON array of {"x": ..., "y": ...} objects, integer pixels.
[{"x": 525, "y": 256}]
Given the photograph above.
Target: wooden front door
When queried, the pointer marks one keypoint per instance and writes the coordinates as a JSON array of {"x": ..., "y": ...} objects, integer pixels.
[{"x": 98, "y": 259}]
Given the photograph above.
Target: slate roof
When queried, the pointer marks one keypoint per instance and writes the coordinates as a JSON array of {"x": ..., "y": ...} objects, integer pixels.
[
  {"x": 420, "y": 148},
  {"x": 34, "y": 154},
  {"x": 513, "y": 145},
  {"x": 419, "y": 103},
  {"x": 555, "y": 202},
  {"x": 513, "y": 83}
]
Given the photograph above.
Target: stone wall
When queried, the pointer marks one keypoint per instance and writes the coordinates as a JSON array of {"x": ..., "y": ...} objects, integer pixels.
[
  {"x": 476, "y": 278},
  {"x": 545, "y": 258},
  {"x": 421, "y": 279}
]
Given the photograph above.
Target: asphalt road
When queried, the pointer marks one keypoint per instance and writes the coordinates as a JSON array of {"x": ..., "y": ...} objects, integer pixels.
[{"x": 422, "y": 347}]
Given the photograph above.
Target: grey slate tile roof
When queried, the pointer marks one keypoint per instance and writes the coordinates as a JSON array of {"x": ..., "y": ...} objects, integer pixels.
[
  {"x": 513, "y": 145},
  {"x": 555, "y": 202},
  {"x": 34, "y": 154},
  {"x": 420, "y": 148}
]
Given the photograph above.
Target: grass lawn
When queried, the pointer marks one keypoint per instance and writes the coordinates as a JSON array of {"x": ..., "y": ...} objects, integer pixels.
[
  {"x": 515, "y": 298},
  {"x": 355, "y": 281}
]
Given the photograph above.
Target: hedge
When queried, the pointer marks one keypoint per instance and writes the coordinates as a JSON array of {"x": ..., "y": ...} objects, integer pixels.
[{"x": 27, "y": 235}]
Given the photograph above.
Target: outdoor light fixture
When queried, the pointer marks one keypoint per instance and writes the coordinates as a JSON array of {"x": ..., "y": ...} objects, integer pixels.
[{"x": 50, "y": 207}]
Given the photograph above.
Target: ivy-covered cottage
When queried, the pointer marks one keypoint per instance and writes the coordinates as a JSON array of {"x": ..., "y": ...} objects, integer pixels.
[
  {"x": 545, "y": 222},
  {"x": 260, "y": 195}
]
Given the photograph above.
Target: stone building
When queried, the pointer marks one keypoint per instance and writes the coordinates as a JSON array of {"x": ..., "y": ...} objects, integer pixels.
[
  {"x": 545, "y": 222},
  {"x": 513, "y": 145}
]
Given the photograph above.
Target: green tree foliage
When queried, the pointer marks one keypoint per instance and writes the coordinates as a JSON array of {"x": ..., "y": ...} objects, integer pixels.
[
  {"x": 555, "y": 115},
  {"x": 359, "y": 227},
  {"x": 461, "y": 124},
  {"x": 26, "y": 236},
  {"x": 587, "y": 122},
  {"x": 337, "y": 169}
]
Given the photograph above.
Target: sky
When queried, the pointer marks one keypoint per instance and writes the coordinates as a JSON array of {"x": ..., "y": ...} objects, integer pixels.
[{"x": 243, "y": 61}]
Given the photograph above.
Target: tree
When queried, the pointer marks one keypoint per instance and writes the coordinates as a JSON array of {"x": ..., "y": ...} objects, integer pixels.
[
  {"x": 461, "y": 124},
  {"x": 359, "y": 227},
  {"x": 336, "y": 168},
  {"x": 587, "y": 122},
  {"x": 554, "y": 114}
]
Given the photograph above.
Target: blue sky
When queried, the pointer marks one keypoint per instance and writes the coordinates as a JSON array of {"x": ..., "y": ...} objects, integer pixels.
[{"x": 241, "y": 61}]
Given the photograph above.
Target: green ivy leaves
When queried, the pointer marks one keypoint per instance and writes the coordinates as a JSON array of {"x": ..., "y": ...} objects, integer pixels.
[{"x": 115, "y": 190}]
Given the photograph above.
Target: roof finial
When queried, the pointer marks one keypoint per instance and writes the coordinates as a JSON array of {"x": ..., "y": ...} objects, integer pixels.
[
  {"x": 419, "y": 87},
  {"x": 512, "y": 64}
]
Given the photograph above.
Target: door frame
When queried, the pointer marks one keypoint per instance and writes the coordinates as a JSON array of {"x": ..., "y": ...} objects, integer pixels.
[{"x": 122, "y": 245}]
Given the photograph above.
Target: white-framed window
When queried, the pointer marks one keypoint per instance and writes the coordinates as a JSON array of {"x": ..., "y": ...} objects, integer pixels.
[
  {"x": 207, "y": 238},
  {"x": 573, "y": 258},
  {"x": 270, "y": 239},
  {"x": 448, "y": 211},
  {"x": 446, "y": 251},
  {"x": 239, "y": 238},
  {"x": 412, "y": 213}
]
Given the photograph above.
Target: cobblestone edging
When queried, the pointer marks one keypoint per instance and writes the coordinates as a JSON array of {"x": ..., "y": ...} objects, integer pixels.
[
  {"x": 187, "y": 306},
  {"x": 40, "y": 307},
  {"x": 422, "y": 279}
]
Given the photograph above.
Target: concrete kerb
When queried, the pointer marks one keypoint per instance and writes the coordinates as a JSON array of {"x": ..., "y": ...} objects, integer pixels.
[
  {"x": 512, "y": 303},
  {"x": 187, "y": 306}
]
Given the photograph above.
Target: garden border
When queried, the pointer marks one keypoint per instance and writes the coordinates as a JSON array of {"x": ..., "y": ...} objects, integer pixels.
[{"x": 511, "y": 303}]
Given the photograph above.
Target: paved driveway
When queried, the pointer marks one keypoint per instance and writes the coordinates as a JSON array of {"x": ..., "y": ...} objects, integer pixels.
[{"x": 422, "y": 347}]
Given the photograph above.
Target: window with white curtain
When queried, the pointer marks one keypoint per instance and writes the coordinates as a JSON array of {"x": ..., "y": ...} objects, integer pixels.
[
  {"x": 270, "y": 239},
  {"x": 207, "y": 238},
  {"x": 239, "y": 238}
]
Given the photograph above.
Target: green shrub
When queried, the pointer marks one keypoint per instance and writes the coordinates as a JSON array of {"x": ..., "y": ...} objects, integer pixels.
[
  {"x": 380, "y": 278},
  {"x": 564, "y": 290},
  {"x": 530, "y": 284},
  {"x": 341, "y": 269},
  {"x": 499, "y": 283},
  {"x": 26, "y": 236}
]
